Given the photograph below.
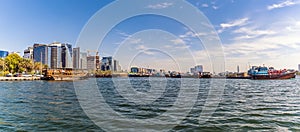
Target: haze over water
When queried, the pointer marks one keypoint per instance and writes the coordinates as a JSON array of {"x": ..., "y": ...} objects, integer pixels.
[{"x": 271, "y": 105}]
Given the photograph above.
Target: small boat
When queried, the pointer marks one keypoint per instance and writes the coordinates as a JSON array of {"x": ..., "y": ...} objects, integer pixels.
[{"x": 264, "y": 73}]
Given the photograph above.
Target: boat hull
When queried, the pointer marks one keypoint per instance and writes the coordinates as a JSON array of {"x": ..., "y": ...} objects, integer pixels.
[
  {"x": 268, "y": 77},
  {"x": 137, "y": 75}
]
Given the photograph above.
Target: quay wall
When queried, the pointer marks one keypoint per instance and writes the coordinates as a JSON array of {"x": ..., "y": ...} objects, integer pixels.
[{"x": 19, "y": 78}]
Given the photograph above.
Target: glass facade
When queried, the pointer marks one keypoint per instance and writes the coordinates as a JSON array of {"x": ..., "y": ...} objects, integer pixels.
[
  {"x": 40, "y": 54},
  {"x": 3, "y": 54}
]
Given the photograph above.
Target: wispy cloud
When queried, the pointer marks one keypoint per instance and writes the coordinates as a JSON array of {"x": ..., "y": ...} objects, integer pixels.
[
  {"x": 234, "y": 23},
  {"x": 135, "y": 40},
  {"x": 277, "y": 44},
  {"x": 204, "y": 5},
  {"x": 282, "y": 4},
  {"x": 144, "y": 49},
  {"x": 215, "y": 7},
  {"x": 192, "y": 34},
  {"x": 178, "y": 41},
  {"x": 250, "y": 33},
  {"x": 160, "y": 5},
  {"x": 238, "y": 22}
]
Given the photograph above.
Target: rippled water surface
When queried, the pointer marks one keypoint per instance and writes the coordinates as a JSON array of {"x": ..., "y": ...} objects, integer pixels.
[{"x": 246, "y": 105}]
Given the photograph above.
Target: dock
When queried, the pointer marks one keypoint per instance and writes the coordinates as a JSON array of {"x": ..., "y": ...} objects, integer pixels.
[{"x": 19, "y": 78}]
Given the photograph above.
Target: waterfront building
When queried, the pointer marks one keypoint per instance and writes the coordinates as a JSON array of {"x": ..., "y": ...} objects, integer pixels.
[
  {"x": 196, "y": 70},
  {"x": 55, "y": 55},
  {"x": 199, "y": 68},
  {"x": 28, "y": 53},
  {"x": 108, "y": 63},
  {"x": 3, "y": 54},
  {"x": 67, "y": 61},
  {"x": 192, "y": 70},
  {"x": 40, "y": 53},
  {"x": 60, "y": 55},
  {"x": 93, "y": 62},
  {"x": 76, "y": 58},
  {"x": 116, "y": 66},
  {"x": 83, "y": 60}
]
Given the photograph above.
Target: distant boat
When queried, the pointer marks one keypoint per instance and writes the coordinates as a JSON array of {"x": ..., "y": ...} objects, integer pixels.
[
  {"x": 264, "y": 73},
  {"x": 138, "y": 72},
  {"x": 241, "y": 75},
  {"x": 175, "y": 75}
]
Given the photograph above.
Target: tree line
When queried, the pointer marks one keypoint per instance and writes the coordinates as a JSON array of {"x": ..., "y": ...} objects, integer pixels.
[{"x": 14, "y": 63}]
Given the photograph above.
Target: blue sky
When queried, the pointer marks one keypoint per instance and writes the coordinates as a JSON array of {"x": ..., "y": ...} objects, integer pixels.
[{"x": 254, "y": 32}]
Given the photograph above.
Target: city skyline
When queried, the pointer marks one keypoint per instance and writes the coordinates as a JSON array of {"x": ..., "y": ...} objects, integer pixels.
[{"x": 260, "y": 32}]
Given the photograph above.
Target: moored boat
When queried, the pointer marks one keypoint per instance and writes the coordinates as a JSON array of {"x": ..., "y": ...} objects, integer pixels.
[
  {"x": 205, "y": 75},
  {"x": 66, "y": 74},
  {"x": 138, "y": 72},
  {"x": 264, "y": 73}
]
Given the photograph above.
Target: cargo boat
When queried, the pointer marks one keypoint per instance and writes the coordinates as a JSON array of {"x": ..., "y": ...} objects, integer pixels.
[{"x": 265, "y": 73}]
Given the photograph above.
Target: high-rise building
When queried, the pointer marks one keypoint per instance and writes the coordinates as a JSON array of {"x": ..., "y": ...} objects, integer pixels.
[
  {"x": 108, "y": 63},
  {"x": 55, "y": 55},
  {"x": 3, "y": 54},
  {"x": 299, "y": 67},
  {"x": 67, "y": 61},
  {"x": 83, "y": 60},
  {"x": 40, "y": 53},
  {"x": 93, "y": 62},
  {"x": 60, "y": 55},
  {"x": 28, "y": 53},
  {"x": 192, "y": 70},
  {"x": 197, "y": 69},
  {"x": 76, "y": 58}
]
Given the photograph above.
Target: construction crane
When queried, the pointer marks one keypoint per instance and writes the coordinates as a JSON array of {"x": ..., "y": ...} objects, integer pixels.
[{"x": 95, "y": 51}]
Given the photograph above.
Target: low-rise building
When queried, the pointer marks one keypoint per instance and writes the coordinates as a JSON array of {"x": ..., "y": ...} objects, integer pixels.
[{"x": 3, "y": 54}]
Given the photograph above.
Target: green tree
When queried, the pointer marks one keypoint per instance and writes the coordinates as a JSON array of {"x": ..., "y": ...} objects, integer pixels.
[
  {"x": 12, "y": 62},
  {"x": 2, "y": 64},
  {"x": 38, "y": 66},
  {"x": 26, "y": 65}
]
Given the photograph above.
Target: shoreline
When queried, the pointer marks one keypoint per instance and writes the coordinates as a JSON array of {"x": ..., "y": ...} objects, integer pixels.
[{"x": 19, "y": 78}]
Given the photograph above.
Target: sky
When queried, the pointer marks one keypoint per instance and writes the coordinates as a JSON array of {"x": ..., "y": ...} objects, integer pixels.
[{"x": 252, "y": 32}]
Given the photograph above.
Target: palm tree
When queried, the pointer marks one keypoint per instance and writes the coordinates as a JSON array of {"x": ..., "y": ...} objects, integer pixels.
[{"x": 26, "y": 65}]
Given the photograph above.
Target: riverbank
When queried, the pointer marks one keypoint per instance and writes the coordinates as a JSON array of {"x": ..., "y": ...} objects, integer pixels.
[{"x": 19, "y": 78}]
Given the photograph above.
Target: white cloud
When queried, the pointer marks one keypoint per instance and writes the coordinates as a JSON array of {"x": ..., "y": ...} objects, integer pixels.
[
  {"x": 135, "y": 40},
  {"x": 282, "y": 4},
  {"x": 141, "y": 47},
  {"x": 204, "y": 5},
  {"x": 192, "y": 34},
  {"x": 238, "y": 22},
  {"x": 215, "y": 7},
  {"x": 250, "y": 33},
  {"x": 160, "y": 5},
  {"x": 278, "y": 45},
  {"x": 178, "y": 41}
]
